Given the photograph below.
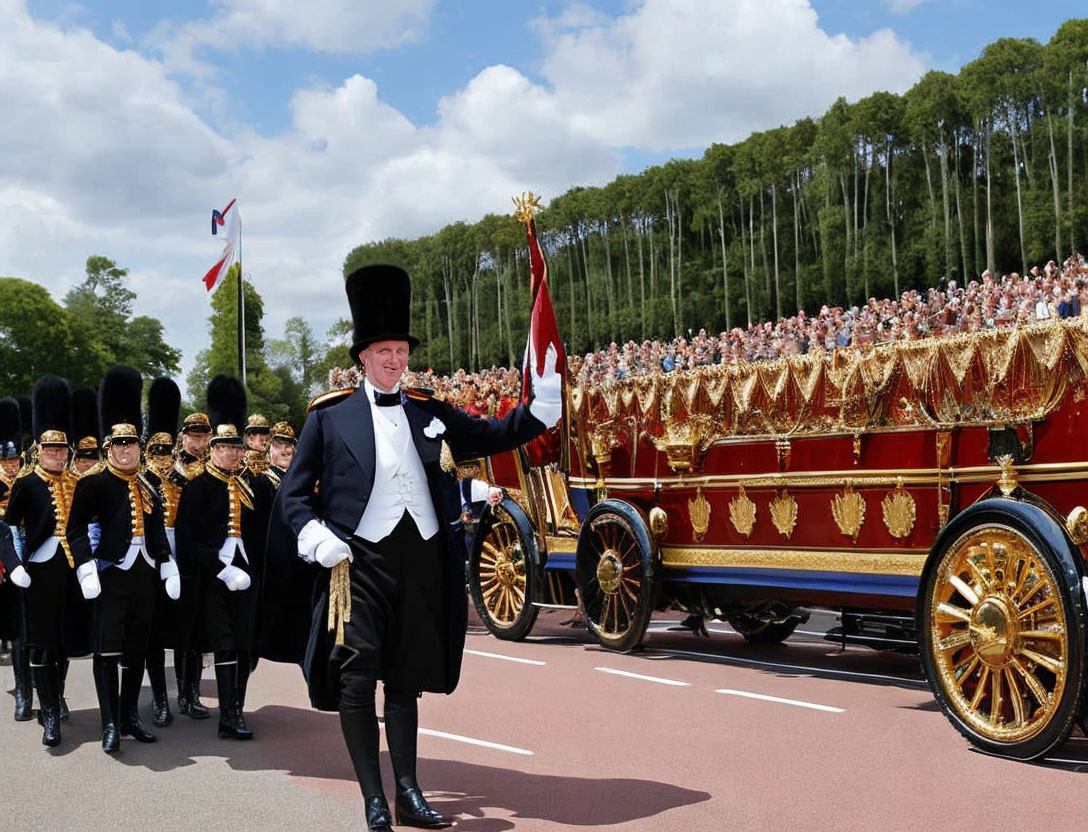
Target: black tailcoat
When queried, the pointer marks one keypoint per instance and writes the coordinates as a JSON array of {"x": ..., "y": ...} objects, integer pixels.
[
  {"x": 103, "y": 498},
  {"x": 336, "y": 449}
]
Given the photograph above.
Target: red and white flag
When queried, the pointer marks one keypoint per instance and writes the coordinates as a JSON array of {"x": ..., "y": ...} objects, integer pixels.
[
  {"x": 543, "y": 347},
  {"x": 226, "y": 224}
]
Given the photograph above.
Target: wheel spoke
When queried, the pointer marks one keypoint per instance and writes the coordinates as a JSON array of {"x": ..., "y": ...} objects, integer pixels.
[
  {"x": 963, "y": 589},
  {"x": 980, "y": 690},
  {"x": 1015, "y": 696},
  {"x": 1050, "y": 663},
  {"x": 1034, "y": 609},
  {"x": 1033, "y": 683},
  {"x": 947, "y": 613},
  {"x": 954, "y": 642},
  {"x": 997, "y": 701},
  {"x": 1044, "y": 635}
]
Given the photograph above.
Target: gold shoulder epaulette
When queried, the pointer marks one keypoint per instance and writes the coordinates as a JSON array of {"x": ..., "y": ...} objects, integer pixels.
[{"x": 419, "y": 394}]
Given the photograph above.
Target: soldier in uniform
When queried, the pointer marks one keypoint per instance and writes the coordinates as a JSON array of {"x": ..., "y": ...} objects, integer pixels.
[
  {"x": 121, "y": 573},
  {"x": 281, "y": 451},
  {"x": 11, "y": 610},
  {"x": 38, "y": 514},
  {"x": 218, "y": 524},
  {"x": 163, "y": 409},
  {"x": 188, "y": 656},
  {"x": 389, "y": 506},
  {"x": 256, "y": 436}
]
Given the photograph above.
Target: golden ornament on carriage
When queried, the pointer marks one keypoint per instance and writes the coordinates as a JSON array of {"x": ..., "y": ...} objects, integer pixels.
[
  {"x": 699, "y": 509},
  {"x": 848, "y": 509},
  {"x": 742, "y": 513},
  {"x": 899, "y": 511},
  {"x": 784, "y": 513}
]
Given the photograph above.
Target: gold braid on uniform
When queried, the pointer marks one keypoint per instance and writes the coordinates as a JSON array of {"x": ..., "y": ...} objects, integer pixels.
[
  {"x": 339, "y": 599},
  {"x": 62, "y": 504},
  {"x": 140, "y": 498},
  {"x": 169, "y": 491},
  {"x": 238, "y": 493}
]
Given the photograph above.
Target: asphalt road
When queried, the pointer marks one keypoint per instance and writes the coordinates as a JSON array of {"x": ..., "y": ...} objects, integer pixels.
[{"x": 554, "y": 733}]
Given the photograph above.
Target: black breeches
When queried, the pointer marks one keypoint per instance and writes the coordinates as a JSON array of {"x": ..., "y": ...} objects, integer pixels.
[{"x": 359, "y": 723}]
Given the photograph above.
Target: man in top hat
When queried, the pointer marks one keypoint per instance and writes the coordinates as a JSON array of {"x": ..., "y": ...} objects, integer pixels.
[
  {"x": 389, "y": 507},
  {"x": 219, "y": 520},
  {"x": 256, "y": 435},
  {"x": 163, "y": 409},
  {"x": 38, "y": 515},
  {"x": 11, "y": 609},
  {"x": 192, "y": 452},
  {"x": 121, "y": 573}
]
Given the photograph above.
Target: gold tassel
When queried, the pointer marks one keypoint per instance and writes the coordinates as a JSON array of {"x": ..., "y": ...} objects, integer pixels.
[{"x": 339, "y": 599}]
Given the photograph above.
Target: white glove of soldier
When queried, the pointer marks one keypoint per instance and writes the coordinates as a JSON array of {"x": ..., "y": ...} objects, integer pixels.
[
  {"x": 547, "y": 403},
  {"x": 89, "y": 584},
  {"x": 235, "y": 578},
  {"x": 171, "y": 579},
  {"x": 20, "y": 577},
  {"x": 331, "y": 552}
]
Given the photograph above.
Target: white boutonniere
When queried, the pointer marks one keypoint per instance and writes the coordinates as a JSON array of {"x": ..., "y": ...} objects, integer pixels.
[{"x": 434, "y": 429}]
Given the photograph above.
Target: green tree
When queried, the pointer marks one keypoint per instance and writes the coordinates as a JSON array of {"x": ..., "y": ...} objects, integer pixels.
[{"x": 35, "y": 338}]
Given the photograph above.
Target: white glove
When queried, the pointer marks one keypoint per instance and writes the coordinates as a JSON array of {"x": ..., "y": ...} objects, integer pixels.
[
  {"x": 89, "y": 584},
  {"x": 171, "y": 579},
  {"x": 94, "y": 535},
  {"x": 20, "y": 577},
  {"x": 547, "y": 403},
  {"x": 331, "y": 552},
  {"x": 172, "y": 541},
  {"x": 235, "y": 578}
]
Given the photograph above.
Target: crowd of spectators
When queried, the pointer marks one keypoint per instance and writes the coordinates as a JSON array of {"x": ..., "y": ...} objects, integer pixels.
[{"x": 1051, "y": 291}]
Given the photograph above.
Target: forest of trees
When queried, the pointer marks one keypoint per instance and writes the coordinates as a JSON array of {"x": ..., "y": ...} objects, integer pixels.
[{"x": 983, "y": 169}]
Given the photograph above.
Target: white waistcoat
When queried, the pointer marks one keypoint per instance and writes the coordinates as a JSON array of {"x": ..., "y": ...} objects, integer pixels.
[{"x": 400, "y": 483}]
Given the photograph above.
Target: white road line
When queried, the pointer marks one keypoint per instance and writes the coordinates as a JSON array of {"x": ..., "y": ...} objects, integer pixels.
[
  {"x": 818, "y": 671},
  {"x": 781, "y": 701},
  {"x": 498, "y": 746},
  {"x": 1060, "y": 760},
  {"x": 657, "y": 679},
  {"x": 508, "y": 658}
]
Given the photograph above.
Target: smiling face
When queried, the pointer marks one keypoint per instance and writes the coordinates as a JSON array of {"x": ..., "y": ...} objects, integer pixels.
[
  {"x": 385, "y": 363},
  {"x": 281, "y": 453}
]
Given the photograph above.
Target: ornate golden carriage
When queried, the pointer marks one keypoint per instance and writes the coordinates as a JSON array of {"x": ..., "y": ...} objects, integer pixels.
[{"x": 928, "y": 491}]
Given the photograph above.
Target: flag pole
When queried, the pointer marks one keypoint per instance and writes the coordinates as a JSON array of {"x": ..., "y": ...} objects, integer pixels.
[{"x": 241, "y": 310}]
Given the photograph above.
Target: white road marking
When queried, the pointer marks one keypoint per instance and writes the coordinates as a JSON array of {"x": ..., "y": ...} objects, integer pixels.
[
  {"x": 657, "y": 679},
  {"x": 819, "y": 671},
  {"x": 498, "y": 746},
  {"x": 508, "y": 658},
  {"x": 781, "y": 701}
]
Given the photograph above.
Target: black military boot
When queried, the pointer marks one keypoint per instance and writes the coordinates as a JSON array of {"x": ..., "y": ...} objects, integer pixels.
[
  {"x": 132, "y": 679},
  {"x": 24, "y": 689},
  {"x": 179, "y": 674},
  {"x": 109, "y": 704},
  {"x": 378, "y": 818},
  {"x": 194, "y": 667},
  {"x": 62, "y": 679},
  {"x": 414, "y": 810},
  {"x": 232, "y": 725},
  {"x": 156, "y": 675},
  {"x": 45, "y": 680}
]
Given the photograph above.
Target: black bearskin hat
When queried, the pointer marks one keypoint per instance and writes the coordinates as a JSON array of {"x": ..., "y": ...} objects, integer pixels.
[
  {"x": 380, "y": 298},
  {"x": 26, "y": 420},
  {"x": 226, "y": 409},
  {"x": 10, "y": 431},
  {"x": 119, "y": 400},
  {"x": 163, "y": 407},
  {"x": 85, "y": 429},
  {"x": 52, "y": 401}
]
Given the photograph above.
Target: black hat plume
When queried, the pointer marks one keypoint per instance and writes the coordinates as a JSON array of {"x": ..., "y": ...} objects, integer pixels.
[
  {"x": 85, "y": 413},
  {"x": 26, "y": 419},
  {"x": 163, "y": 407},
  {"x": 226, "y": 408},
  {"x": 52, "y": 405},
  {"x": 10, "y": 431},
  {"x": 119, "y": 398}
]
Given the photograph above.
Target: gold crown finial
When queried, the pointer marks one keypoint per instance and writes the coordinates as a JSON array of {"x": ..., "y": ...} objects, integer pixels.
[{"x": 526, "y": 207}]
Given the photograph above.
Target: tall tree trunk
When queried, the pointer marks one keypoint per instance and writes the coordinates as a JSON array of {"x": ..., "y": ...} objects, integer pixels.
[
  {"x": 641, "y": 287},
  {"x": 725, "y": 263},
  {"x": 891, "y": 219},
  {"x": 976, "y": 141},
  {"x": 763, "y": 250},
  {"x": 774, "y": 239},
  {"x": 627, "y": 263},
  {"x": 748, "y": 271},
  {"x": 447, "y": 280},
  {"x": 991, "y": 259},
  {"x": 583, "y": 234},
  {"x": 796, "y": 242},
  {"x": 610, "y": 295},
  {"x": 846, "y": 219},
  {"x": 1019, "y": 197},
  {"x": 1069, "y": 175},
  {"x": 670, "y": 218},
  {"x": 573, "y": 280},
  {"x": 1052, "y": 164},
  {"x": 942, "y": 157},
  {"x": 679, "y": 260},
  {"x": 967, "y": 275}
]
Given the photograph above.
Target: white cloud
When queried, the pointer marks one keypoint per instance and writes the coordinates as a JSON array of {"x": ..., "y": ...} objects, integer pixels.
[
  {"x": 119, "y": 164},
  {"x": 903, "y": 6},
  {"x": 680, "y": 73}
]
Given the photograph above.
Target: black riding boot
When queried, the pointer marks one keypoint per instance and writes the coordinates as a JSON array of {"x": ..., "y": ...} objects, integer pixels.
[
  {"x": 62, "y": 676},
  {"x": 359, "y": 724},
  {"x": 156, "y": 676},
  {"x": 401, "y": 730},
  {"x": 44, "y": 671},
  {"x": 24, "y": 689},
  {"x": 109, "y": 700},
  {"x": 232, "y": 724},
  {"x": 132, "y": 679},
  {"x": 194, "y": 667}
]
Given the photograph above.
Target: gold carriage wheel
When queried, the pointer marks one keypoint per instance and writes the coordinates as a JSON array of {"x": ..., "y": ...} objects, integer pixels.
[
  {"x": 999, "y": 635},
  {"x": 617, "y": 585},
  {"x": 502, "y": 573}
]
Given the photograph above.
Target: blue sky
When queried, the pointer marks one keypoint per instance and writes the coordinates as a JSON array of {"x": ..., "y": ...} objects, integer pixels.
[{"x": 335, "y": 122}]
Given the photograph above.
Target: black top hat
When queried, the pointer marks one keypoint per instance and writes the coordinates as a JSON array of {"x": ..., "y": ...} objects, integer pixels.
[
  {"x": 163, "y": 407},
  {"x": 52, "y": 400},
  {"x": 119, "y": 399},
  {"x": 380, "y": 298},
  {"x": 85, "y": 422},
  {"x": 226, "y": 407},
  {"x": 9, "y": 428}
]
